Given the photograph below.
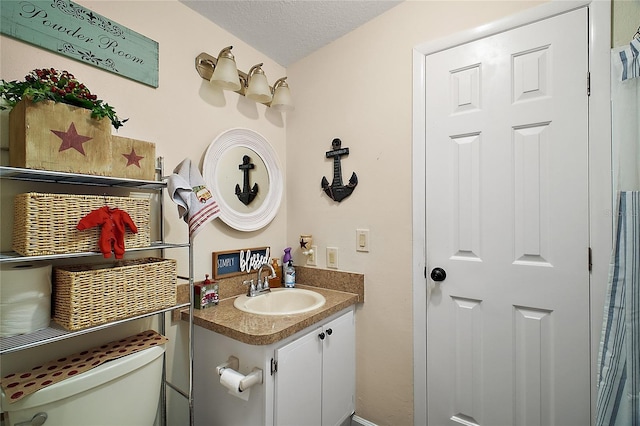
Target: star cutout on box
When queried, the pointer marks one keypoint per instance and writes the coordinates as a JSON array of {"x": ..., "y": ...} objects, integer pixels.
[
  {"x": 71, "y": 139},
  {"x": 133, "y": 158}
]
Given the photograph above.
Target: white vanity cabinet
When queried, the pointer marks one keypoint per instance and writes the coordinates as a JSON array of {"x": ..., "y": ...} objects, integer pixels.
[
  {"x": 315, "y": 377},
  {"x": 307, "y": 380}
]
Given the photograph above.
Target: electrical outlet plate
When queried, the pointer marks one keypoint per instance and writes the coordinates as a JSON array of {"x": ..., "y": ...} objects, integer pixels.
[
  {"x": 312, "y": 259},
  {"x": 332, "y": 257},
  {"x": 362, "y": 240}
]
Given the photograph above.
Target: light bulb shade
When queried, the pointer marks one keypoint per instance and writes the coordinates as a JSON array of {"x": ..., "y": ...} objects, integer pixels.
[
  {"x": 258, "y": 89},
  {"x": 225, "y": 74},
  {"x": 282, "y": 100}
]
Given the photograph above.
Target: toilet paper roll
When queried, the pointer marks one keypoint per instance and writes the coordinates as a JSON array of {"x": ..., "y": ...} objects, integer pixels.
[
  {"x": 230, "y": 379},
  {"x": 24, "y": 282},
  {"x": 25, "y": 316},
  {"x": 25, "y": 298}
]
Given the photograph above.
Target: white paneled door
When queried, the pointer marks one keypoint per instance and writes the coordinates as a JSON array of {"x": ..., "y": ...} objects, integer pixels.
[{"x": 507, "y": 222}]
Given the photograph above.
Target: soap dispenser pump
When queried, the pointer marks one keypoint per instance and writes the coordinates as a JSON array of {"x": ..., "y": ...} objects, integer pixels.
[{"x": 290, "y": 275}]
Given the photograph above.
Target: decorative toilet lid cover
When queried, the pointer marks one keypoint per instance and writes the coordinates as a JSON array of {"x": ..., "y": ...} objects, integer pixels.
[{"x": 18, "y": 385}]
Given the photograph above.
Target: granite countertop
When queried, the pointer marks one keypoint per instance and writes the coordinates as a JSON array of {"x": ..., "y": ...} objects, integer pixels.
[{"x": 266, "y": 329}]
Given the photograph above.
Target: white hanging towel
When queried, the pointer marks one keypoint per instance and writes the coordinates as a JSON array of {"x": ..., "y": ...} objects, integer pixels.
[
  {"x": 630, "y": 58},
  {"x": 618, "y": 402},
  {"x": 188, "y": 190}
]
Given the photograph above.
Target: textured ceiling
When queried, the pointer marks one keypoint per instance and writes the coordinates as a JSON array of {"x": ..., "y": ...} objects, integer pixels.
[{"x": 288, "y": 30}]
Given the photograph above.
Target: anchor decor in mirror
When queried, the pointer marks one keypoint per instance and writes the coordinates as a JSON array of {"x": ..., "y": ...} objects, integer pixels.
[
  {"x": 243, "y": 155},
  {"x": 337, "y": 191},
  {"x": 246, "y": 194}
]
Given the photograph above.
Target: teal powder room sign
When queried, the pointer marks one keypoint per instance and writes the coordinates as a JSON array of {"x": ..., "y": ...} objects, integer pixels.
[{"x": 69, "y": 29}]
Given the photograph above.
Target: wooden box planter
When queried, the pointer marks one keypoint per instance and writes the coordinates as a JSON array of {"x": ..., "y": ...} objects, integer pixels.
[
  {"x": 133, "y": 159},
  {"x": 59, "y": 137}
]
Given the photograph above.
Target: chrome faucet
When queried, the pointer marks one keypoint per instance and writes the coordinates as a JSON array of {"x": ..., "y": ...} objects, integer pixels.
[{"x": 261, "y": 286}]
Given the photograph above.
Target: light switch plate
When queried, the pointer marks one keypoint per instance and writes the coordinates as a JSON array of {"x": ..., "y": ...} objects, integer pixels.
[
  {"x": 332, "y": 257},
  {"x": 362, "y": 240}
]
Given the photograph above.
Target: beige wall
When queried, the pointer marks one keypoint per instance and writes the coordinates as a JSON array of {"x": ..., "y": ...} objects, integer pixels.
[
  {"x": 626, "y": 20},
  {"x": 359, "y": 89}
]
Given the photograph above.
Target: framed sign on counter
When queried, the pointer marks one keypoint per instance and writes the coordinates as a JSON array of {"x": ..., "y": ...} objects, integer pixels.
[{"x": 238, "y": 262}]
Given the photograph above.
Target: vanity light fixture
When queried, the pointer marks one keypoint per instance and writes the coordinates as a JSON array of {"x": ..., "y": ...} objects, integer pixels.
[
  {"x": 222, "y": 72},
  {"x": 257, "y": 88},
  {"x": 225, "y": 73},
  {"x": 282, "y": 96}
]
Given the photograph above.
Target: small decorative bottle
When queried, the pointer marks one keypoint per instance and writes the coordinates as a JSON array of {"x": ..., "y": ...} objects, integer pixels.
[{"x": 277, "y": 281}]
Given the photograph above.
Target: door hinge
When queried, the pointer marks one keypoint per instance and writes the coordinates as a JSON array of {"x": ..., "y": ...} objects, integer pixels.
[
  {"x": 274, "y": 366},
  {"x": 590, "y": 259},
  {"x": 588, "y": 84},
  {"x": 425, "y": 272}
]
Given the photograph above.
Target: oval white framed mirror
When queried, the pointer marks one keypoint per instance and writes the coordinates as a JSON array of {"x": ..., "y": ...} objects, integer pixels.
[{"x": 222, "y": 173}]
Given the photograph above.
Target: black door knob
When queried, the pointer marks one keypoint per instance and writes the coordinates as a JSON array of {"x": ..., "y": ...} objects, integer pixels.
[
  {"x": 321, "y": 336},
  {"x": 329, "y": 331},
  {"x": 438, "y": 274}
]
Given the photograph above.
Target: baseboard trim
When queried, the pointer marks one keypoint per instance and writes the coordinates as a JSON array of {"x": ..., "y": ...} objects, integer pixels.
[{"x": 359, "y": 421}]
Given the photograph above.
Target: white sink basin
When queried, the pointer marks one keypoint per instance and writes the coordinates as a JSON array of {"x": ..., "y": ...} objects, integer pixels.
[{"x": 281, "y": 301}]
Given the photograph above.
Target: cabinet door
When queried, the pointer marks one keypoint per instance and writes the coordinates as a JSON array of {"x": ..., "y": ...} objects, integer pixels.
[
  {"x": 338, "y": 370},
  {"x": 298, "y": 382}
]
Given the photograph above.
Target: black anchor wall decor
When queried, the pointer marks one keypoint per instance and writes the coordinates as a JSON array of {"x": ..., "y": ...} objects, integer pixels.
[
  {"x": 246, "y": 195},
  {"x": 337, "y": 191}
]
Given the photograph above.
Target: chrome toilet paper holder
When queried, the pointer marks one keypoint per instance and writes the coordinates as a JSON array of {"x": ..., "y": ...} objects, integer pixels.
[{"x": 253, "y": 378}]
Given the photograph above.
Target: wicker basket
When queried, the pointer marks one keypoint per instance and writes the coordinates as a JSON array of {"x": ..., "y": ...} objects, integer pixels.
[
  {"x": 90, "y": 295},
  {"x": 46, "y": 223}
]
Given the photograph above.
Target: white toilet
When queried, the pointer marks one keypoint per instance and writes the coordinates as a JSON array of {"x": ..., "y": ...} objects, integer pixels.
[{"x": 121, "y": 392}]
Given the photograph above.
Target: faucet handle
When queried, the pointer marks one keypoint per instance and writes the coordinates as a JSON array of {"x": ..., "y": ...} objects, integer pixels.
[
  {"x": 265, "y": 284},
  {"x": 252, "y": 288}
]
